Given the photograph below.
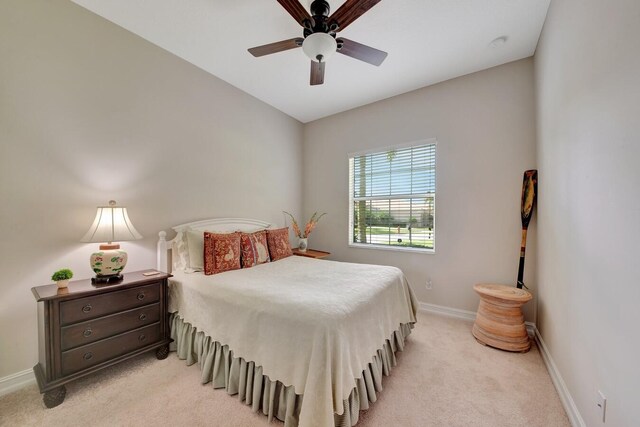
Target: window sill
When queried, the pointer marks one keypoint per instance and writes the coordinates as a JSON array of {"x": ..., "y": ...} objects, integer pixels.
[{"x": 392, "y": 248}]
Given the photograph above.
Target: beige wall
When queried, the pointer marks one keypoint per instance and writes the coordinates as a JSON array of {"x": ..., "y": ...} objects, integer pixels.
[
  {"x": 485, "y": 127},
  {"x": 89, "y": 112},
  {"x": 588, "y": 91}
]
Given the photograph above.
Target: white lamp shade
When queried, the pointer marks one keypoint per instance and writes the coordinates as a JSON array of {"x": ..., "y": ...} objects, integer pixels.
[
  {"x": 112, "y": 224},
  {"x": 319, "y": 46}
]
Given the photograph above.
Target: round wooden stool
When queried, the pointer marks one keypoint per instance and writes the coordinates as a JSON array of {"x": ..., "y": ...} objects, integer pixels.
[{"x": 499, "y": 322}]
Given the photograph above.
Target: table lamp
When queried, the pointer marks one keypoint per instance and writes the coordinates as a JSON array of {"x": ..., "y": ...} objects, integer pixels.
[{"x": 112, "y": 224}]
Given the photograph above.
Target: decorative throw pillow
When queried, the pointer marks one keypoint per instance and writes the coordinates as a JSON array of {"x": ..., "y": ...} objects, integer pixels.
[
  {"x": 221, "y": 252},
  {"x": 278, "y": 241},
  {"x": 254, "y": 248}
]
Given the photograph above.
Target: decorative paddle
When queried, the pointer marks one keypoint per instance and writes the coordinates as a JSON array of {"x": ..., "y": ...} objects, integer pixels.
[{"x": 529, "y": 193}]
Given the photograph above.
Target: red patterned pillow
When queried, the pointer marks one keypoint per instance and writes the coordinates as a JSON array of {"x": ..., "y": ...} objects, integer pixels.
[
  {"x": 221, "y": 252},
  {"x": 254, "y": 248},
  {"x": 279, "y": 246}
]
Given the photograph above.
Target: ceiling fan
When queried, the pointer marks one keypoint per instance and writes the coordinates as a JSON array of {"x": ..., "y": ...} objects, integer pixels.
[{"x": 319, "y": 31}]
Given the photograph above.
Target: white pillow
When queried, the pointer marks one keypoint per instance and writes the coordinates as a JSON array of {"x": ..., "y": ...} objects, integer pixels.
[
  {"x": 195, "y": 243},
  {"x": 180, "y": 253}
]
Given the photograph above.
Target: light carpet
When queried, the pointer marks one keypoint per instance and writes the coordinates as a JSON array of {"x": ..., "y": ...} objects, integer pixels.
[{"x": 443, "y": 378}]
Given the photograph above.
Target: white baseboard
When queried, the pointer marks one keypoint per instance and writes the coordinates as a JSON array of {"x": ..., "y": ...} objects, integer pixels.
[
  {"x": 447, "y": 311},
  {"x": 565, "y": 397},
  {"x": 462, "y": 314},
  {"x": 16, "y": 381}
]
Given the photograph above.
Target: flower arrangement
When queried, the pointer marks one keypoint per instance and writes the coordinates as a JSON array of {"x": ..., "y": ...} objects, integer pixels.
[{"x": 307, "y": 228}]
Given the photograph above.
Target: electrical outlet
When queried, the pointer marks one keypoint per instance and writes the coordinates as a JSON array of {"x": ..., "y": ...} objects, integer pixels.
[
  {"x": 429, "y": 285},
  {"x": 602, "y": 405}
]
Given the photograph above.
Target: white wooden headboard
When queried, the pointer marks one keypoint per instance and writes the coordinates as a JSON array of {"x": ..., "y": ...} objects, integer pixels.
[{"x": 216, "y": 225}]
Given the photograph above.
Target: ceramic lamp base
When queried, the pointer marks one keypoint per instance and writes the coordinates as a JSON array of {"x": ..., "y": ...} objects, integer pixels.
[{"x": 108, "y": 264}]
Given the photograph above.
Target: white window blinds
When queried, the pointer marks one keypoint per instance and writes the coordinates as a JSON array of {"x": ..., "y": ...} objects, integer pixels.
[{"x": 392, "y": 197}]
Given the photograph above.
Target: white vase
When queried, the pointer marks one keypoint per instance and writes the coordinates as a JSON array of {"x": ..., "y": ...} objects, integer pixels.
[
  {"x": 108, "y": 261},
  {"x": 302, "y": 245},
  {"x": 62, "y": 283}
]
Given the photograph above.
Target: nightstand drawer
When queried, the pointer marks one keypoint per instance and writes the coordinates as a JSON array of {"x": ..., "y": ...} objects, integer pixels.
[
  {"x": 89, "y": 355},
  {"x": 82, "y": 309},
  {"x": 94, "y": 330}
]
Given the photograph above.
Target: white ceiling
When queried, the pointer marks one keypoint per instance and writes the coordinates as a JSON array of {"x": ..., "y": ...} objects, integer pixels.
[{"x": 428, "y": 41}]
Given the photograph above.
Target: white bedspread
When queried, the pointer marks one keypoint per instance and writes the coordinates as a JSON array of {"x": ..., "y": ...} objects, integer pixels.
[{"x": 313, "y": 324}]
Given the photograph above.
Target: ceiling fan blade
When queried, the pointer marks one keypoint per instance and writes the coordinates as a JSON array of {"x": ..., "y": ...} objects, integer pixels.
[
  {"x": 362, "y": 52},
  {"x": 350, "y": 11},
  {"x": 296, "y": 10},
  {"x": 317, "y": 73},
  {"x": 270, "y": 48}
]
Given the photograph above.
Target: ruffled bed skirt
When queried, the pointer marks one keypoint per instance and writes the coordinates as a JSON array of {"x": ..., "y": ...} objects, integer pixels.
[{"x": 219, "y": 366}]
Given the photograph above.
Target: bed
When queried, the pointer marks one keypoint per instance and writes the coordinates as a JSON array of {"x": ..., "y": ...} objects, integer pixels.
[{"x": 302, "y": 340}]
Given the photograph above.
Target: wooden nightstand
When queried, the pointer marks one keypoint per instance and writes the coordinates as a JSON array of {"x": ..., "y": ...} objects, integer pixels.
[
  {"x": 311, "y": 253},
  {"x": 84, "y": 328}
]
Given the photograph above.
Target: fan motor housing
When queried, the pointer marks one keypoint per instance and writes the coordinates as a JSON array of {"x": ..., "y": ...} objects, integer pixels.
[{"x": 320, "y": 10}]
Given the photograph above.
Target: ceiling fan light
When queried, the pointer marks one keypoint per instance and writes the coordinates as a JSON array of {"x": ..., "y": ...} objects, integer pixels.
[{"x": 319, "y": 46}]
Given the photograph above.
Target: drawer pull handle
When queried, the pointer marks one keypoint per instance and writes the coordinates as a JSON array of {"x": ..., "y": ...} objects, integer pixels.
[
  {"x": 86, "y": 308},
  {"x": 142, "y": 337},
  {"x": 140, "y": 296},
  {"x": 87, "y": 332},
  {"x": 142, "y": 316},
  {"x": 87, "y": 356}
]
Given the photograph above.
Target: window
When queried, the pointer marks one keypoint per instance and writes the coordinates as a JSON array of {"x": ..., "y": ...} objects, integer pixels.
[{"x": 392, "y": 196}]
